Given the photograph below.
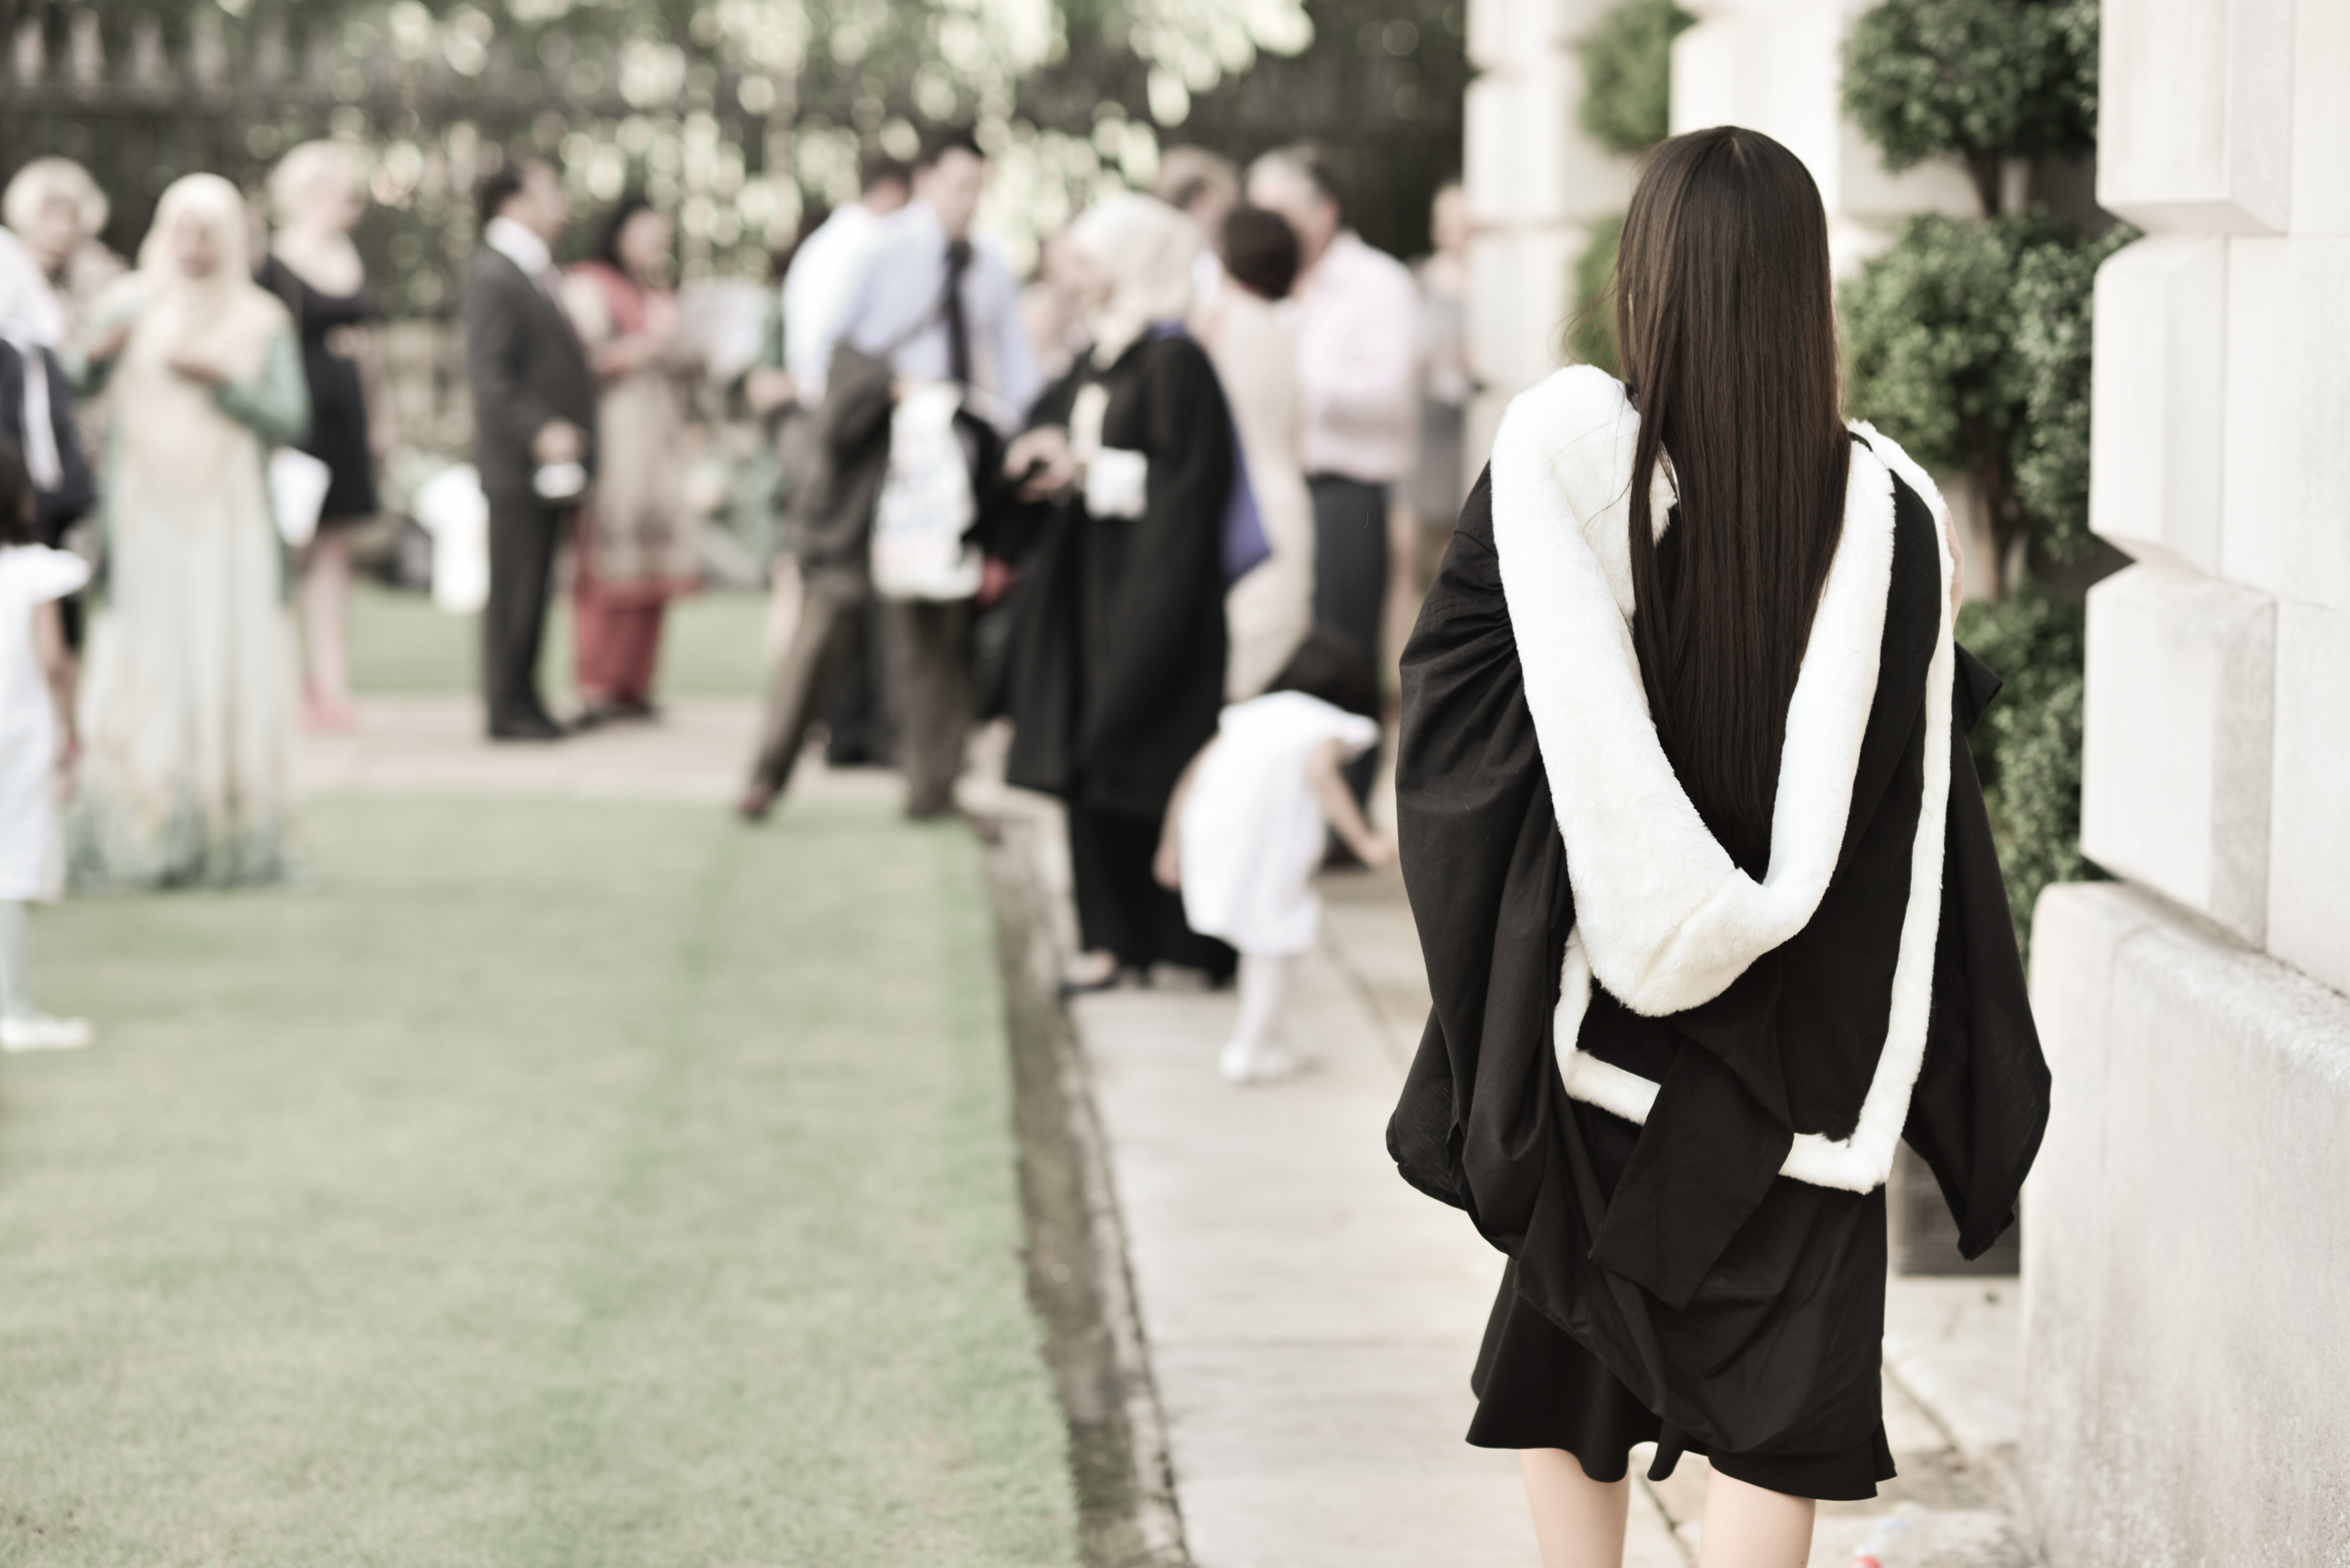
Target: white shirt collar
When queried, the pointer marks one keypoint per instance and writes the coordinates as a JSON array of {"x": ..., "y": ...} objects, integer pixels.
[{"x": 520, "y": 246}]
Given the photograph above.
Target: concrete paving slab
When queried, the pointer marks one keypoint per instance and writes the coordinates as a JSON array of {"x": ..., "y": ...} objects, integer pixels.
[{"x": 1957, "y": 1345}]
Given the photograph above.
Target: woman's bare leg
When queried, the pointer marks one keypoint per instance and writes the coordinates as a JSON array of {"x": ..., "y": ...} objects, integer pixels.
[
  {"x": 326, "y": 621},
  {"x": 1748, "y": 1527},
  {"x": 1578, "y": 1520}
]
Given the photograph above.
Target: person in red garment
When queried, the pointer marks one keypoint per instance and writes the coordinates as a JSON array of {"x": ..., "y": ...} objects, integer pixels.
[{"x": 640, "y": 538}]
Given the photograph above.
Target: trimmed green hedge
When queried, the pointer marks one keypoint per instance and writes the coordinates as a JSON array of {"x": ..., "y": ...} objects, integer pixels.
[
  {"x": 1627, "y": 75},
  {"x": 1591, "y": 335},
  {"x": 1969, "y": 342},
  {"x": 2028, "y": 746}
]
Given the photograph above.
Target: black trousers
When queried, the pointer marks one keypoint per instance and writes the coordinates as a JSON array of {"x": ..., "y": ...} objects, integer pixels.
[
  {"x": 1121, "y": 907},
  {"x": 1350, "y": 577},
  {"x": 523, "y": 534}
]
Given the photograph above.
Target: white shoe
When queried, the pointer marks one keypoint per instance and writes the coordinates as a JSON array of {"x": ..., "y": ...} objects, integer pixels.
[
  {"x": 1265, "y": 1064},
  {"x": 45, "y": 1031},
  {"x": 1233, "y": 1062}
]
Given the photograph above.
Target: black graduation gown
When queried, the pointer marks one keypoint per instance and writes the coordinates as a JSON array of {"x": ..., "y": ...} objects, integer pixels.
[
  {"x": 56, "y": 508},
  {"x": 1742, "y": 1308},
  {"x": 1115, "y": 670}
]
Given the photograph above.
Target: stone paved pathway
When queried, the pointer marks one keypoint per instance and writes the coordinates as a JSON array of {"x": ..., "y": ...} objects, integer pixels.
[{"x": 1312, "y": 1319}]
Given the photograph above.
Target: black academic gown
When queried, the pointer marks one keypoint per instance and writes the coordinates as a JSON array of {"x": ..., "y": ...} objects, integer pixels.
[
  {"x": 1115, "y": 671},
  {"x": 1742, "y": 1308},
  {"x": 58, "y": 506}
]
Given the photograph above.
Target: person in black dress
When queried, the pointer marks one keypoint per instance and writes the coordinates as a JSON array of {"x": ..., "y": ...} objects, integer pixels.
[
  {"x": 1115, "y": 670},
  {"x": 1705, "y": 887},
  {"x": 314, "y": 268}
]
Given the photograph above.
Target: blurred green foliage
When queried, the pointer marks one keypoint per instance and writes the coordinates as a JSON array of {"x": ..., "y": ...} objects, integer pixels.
[
  {"x": 1627, "y": 101},
  {"x": 1627, "y": 75},
  {"x": 1591, "y": 333}
]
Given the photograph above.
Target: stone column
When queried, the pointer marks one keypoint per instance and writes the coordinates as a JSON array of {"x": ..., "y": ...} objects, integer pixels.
[
  {"x": 1536, "y": 184},
  {"x": 2186, "y": 1293}
]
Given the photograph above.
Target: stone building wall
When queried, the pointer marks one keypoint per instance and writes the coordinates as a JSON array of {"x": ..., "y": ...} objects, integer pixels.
[{"x": 2188, "y": 1305}]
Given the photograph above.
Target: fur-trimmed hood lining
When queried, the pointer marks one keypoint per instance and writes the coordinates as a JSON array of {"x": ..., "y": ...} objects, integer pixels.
[{"x": 1665, "y": 919}]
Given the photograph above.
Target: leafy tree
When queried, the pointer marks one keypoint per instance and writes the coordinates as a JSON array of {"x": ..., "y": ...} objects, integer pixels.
[
  {"x": 1982, "y": 80},
  {"x": 1627, "y": 75}
]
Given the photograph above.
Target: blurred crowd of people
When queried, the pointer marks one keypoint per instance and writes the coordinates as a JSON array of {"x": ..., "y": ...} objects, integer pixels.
[
  {"x": 1197, "y": 459},
  {"x": 1165, "y": 509}
]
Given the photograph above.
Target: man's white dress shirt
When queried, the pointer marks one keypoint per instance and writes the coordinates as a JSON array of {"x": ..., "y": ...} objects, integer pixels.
[{"x": 1357, "y": 320}]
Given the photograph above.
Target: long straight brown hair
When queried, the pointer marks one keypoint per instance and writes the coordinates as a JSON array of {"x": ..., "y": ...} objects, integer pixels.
[{"x": 1726, "y": 321}]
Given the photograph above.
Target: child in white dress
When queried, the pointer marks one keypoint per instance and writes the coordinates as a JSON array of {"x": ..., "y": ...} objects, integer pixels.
[
  {"x": 36, "y": 732},
  {"x": 1251, "y": 820}
]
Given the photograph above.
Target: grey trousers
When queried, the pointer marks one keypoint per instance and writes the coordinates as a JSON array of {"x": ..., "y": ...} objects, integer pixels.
[
  {"x": 930, "y": 687},
  {"x": 821, "y": 642}
]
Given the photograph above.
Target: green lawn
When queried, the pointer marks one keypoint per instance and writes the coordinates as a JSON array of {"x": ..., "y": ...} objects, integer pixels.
[
  {"x": 553, "y": 1183},
  {"x": 400, "y": 643}
]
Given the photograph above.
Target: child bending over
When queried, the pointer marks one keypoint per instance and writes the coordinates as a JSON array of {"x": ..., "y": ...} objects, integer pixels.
[{"x": 1250, "y": 821}]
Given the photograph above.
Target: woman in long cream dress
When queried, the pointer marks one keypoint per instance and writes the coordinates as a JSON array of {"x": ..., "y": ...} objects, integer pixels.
[{"x": 188, "y": 698}]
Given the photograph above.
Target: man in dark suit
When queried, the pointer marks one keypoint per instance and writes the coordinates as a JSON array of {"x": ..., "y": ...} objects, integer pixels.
[{"x": 534, "y": 410}]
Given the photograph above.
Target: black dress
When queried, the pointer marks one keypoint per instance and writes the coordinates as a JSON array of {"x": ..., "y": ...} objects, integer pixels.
[
  {"x": 1114, "y": 670},
  {"x": 338, "y": 415},
  {"x": 1667, "y": 1283}
]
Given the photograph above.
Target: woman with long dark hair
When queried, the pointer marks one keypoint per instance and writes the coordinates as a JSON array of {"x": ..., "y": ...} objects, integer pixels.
[{"x": 1705, "y": 887}]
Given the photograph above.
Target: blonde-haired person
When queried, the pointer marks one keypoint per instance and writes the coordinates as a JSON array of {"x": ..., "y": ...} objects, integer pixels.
[
  {"x": 1114, "y": 668},
  {"x": 57, "y": 211},
  {"x": 318, "y": 195},
  {"x": 187, "y": 703}
]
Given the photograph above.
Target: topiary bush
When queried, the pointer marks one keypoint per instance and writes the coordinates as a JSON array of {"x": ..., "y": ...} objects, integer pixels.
[
  {"x": 1627, "y": 75},
  {"x": 2028, "y": 745},
  {"x": 1983, "y": 81},
  {"x": 2054, "y": 285},
  {"x": 1929, "y": 351},
  {"x": 1969, "y": 341}
]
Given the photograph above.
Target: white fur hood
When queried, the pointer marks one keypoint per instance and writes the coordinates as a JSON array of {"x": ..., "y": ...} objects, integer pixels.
[{"x": 1665, "y": 919}]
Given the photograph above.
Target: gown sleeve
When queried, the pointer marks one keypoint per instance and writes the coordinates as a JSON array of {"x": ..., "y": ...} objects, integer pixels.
[
  {"x": 1980, "y": 1106},
  {"x": 1174, "y": 548},
  {"x": 276, "y": 404},
  {"x": 1483, "y": 862}
]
